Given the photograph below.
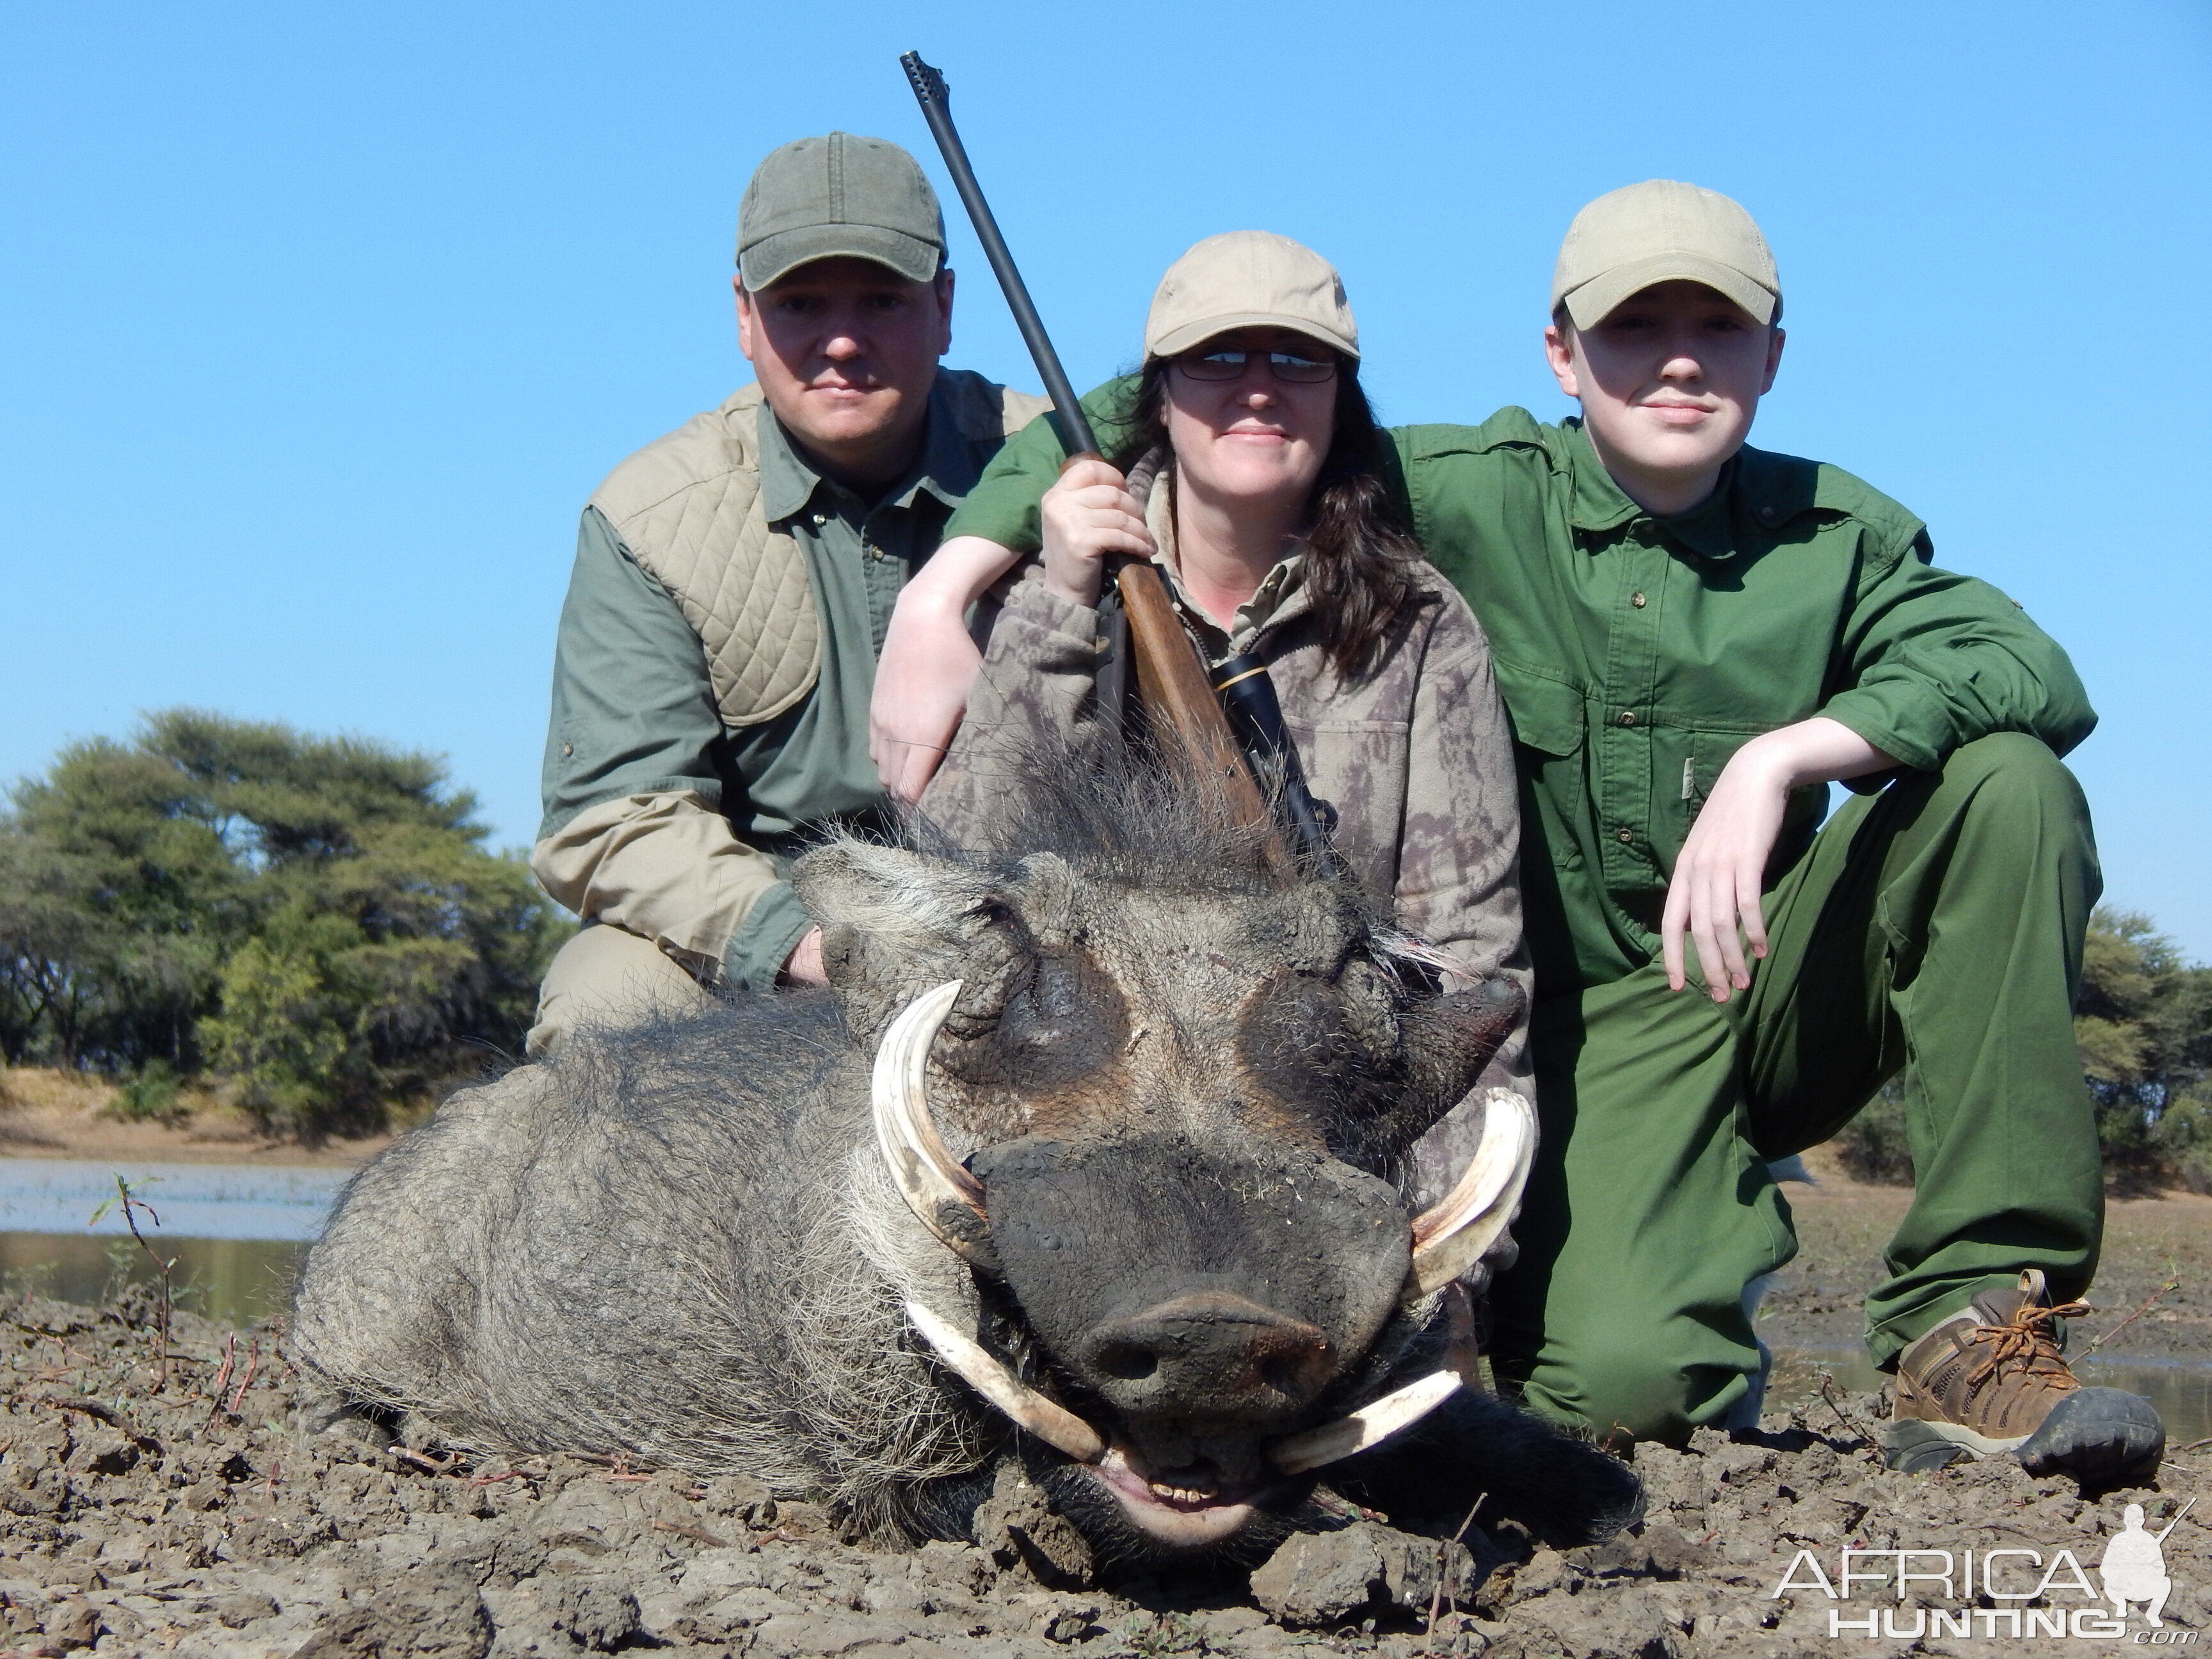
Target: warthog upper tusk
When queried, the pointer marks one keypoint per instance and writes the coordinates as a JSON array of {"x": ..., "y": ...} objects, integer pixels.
[
  {"x": 1368, "y": 1426},
  {"x": 1450, "y": 1238},
  {"x": 1049, "y": 1421},
  {"x": 947, "y": 1197}
]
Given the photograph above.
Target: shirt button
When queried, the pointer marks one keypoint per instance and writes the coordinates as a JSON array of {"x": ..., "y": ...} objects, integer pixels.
[
  {"x": 1624, "y": 835},
  {"x": 1769, "y": 514},
  {"x": 1628, "y": 717},
  {"x": 821, "y": 519},
  {"x": 1637, "y": 600},
  {"x": 567, "y": 749}
]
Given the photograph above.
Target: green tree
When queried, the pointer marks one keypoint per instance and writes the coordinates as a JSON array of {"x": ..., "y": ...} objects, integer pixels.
[
  {"x": 2143, "y": 1025},
  {"x": 316, "y": 919}
]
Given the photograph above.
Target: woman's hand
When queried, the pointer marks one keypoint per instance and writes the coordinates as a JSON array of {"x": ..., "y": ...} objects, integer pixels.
[
  {"x": 1722, "y": 867},
  {"x": 1088, "y": 514},
  {"x": 929, "y": 664}
]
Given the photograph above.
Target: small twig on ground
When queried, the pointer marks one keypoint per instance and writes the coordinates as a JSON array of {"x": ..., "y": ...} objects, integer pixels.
[
  {"x": 453, "y": 1460},
  {"x": 2149, "y": 1303},
  {"x": 133, "y": 1203},
  {"x": 2196, "y": 1445},
  {"x": 222, "y": 1377},
  {"x": 1443, "y": 1559},
  {"x": 252, "y": 1365},
  {"x": 106, "y": 1413},
  {"x": 1828, "y": 1395},
  {"x": 688, "y": 1529}
]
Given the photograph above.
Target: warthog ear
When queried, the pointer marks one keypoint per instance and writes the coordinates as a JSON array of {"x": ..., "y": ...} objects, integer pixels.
[
  {"x": 893, "y": 924},
  {"x": 1449, "y": 1039}
]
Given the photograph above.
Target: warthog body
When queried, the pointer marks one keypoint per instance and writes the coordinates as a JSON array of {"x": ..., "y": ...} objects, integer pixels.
[{"x": 1186, "y": 1089}]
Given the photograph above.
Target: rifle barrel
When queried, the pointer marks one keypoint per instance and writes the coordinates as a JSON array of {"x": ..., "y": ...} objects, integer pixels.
[{"x": 936, "y": 100}]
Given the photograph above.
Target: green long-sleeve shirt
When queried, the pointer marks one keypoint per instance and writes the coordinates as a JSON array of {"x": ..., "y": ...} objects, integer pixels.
[{"x": 1636, "y": 654}]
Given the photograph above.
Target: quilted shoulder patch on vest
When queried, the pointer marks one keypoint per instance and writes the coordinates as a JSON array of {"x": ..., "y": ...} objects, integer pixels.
[{"x": 688, "y": 508}]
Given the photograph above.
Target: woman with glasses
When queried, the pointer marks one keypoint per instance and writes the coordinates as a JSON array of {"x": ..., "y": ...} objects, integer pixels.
[{"x": 1241, "y": 460}]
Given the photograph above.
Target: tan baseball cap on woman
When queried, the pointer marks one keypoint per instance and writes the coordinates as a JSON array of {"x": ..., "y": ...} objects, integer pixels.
[
  {"x": 1663, "y": 231},
  {"x": 1248, "y": 279}
]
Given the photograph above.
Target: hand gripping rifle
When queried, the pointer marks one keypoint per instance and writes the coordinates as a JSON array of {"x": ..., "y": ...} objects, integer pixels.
[{"x": 1171, "y": 677}]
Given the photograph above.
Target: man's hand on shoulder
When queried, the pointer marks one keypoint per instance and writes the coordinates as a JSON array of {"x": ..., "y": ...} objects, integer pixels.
[{"x": 1715, "y": 895}]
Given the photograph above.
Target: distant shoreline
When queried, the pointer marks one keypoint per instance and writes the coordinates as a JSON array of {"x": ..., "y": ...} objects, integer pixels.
[{"x": 50, "y": 1114}]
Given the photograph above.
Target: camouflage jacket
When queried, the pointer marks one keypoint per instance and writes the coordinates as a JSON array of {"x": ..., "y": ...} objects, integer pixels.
[{"x": 1416, "y": 759}]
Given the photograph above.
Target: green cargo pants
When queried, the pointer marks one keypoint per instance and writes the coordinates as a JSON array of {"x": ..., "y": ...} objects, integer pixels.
[{"x": 1933, "y": 930}]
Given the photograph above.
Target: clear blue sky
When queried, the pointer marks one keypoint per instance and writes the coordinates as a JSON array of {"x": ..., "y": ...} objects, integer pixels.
[{"x": 323, "y": 321}]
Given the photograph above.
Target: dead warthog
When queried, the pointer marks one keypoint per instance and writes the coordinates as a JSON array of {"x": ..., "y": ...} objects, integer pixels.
[{"x": 1093, "y": 1159}]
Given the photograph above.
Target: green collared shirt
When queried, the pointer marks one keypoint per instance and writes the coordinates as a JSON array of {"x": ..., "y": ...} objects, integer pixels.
[
  {"x": 1636, "y": 654},
  {"x": 634, "y": 706}
]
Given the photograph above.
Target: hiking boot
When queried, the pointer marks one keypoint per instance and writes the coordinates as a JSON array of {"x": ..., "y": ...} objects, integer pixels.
[{"x": 1991, "y": 1379}]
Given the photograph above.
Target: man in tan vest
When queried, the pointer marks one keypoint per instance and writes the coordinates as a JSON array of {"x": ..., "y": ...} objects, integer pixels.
[{"x": 733, "y": 585}]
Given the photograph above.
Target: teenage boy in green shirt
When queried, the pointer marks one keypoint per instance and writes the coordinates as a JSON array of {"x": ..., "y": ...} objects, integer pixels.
[{"x": 1693, "y": 638}]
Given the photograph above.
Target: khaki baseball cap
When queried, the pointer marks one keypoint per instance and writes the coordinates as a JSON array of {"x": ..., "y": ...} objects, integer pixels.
[
  {"x": 841, "y": 195},
  {"x": 1663, "y": 231},
  {"x": 1248, "y": 279}
]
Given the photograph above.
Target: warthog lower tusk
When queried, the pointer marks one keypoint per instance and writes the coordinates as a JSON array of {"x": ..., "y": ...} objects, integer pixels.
[
  {"x": 1375, "y": 1422},
  {"x": 1450, "y": 1238},
  {"x": 1050, "y": 1422},
  {"x": 1369, "y": 1425},
  {"x": 947, "y": 1197}
]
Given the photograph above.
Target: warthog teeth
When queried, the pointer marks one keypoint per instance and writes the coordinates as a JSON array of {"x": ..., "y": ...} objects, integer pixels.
[
  {"x": 1179, "y": 1494},
  {"x": 1369, "y": 1425},
  {"x": 947, "y": 1198},
  {"x": 1450, "y": 1238},
  {"x": 1048, "y": 1420}
]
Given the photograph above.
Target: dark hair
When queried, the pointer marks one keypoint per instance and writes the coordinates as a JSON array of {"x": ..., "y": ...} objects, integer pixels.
[{"x": 1362, "y": 562}]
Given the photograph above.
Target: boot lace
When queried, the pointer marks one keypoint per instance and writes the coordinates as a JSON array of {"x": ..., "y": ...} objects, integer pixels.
[{"x": 2025, "y": 1341}]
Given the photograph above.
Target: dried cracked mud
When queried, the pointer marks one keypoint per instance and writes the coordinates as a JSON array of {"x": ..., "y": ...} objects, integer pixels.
[{"x": 193, "y": 1517}]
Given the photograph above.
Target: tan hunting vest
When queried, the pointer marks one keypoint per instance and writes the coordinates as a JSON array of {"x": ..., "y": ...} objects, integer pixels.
[{"x": 688, "y": 507}]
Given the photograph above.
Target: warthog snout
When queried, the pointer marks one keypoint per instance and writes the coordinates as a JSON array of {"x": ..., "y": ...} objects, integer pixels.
[{"x": 1243, "y": 1359}]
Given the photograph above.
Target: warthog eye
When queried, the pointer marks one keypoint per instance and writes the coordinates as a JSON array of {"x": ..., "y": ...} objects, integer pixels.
[{"x": 1062, "y": 1022}]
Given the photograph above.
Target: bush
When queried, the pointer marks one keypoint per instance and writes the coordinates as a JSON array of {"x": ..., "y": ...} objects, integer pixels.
[
  {"x": 155, "y": 1096},
  {"x": 1873, "y": 1146},
  {"x": 2182, "y": 1139}
]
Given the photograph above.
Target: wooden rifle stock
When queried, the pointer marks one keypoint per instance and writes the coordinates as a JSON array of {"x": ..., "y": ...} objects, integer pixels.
[{"x": 1172, "y": 678}]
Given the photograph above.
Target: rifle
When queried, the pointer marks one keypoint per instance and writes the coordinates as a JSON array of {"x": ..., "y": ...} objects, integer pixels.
[{"x": 1171, "y": 677}]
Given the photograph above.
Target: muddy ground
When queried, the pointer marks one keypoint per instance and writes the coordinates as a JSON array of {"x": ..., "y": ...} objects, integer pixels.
[{"x": 192, "y": 1517}]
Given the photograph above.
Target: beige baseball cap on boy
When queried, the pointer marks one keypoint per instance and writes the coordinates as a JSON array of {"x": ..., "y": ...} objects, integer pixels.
[
  {"x": 1248, "y": 279},
  {"x": 839, "y": 195},
  {"x": 1663, "y": 231}
]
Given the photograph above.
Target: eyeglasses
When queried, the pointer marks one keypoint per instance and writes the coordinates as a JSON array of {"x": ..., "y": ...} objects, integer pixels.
[{"x": 1285, "y": 366}]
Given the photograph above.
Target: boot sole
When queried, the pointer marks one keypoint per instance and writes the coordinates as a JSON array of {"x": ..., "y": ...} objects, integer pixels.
[
  {"x": 2096, "y": 1435},
  {"x": 2099, "y": 1436}
]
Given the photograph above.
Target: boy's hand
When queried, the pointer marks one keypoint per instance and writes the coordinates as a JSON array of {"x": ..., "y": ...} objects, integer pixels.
[
  {"x": 922, "y": 680},
  {"x": 929, "y": 663},
  {"x": 1722, "y": 866},
  {"x": 1087, "y": 515}
]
